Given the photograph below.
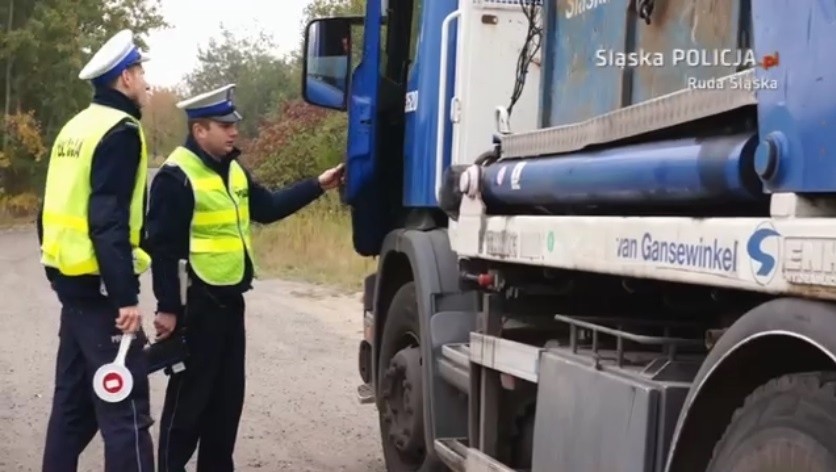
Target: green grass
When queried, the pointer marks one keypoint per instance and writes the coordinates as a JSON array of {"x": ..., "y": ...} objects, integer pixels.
[{"x": 314, "y": 245}]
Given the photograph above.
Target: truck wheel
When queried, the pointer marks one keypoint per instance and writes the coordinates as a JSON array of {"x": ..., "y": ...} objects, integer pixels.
[
  {"x": 786, "y": 424},
  {"x": 399, "y": 388}
]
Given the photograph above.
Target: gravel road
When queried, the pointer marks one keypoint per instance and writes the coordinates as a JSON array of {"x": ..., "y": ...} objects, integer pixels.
[{"x": 301, "y": 339}]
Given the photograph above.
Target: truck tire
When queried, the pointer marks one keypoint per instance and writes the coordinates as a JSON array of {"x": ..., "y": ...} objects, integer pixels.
[
  {"x": 788, "y": 424},
  {"x": 400, "y": 401}
]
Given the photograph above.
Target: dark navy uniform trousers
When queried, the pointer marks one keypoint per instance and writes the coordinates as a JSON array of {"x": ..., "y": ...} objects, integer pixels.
[
  {"x": 204, "y": 402},
  {"x": 88, "y": 338}
]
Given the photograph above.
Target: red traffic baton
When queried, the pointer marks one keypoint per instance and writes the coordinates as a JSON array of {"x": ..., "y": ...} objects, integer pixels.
[{"x": 113, "y": 382}]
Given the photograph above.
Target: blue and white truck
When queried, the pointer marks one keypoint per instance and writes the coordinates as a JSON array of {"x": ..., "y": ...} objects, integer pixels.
[{"x": 605, "y": 230}]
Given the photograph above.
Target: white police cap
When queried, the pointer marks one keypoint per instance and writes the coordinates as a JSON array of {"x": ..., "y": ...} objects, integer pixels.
[
  {"x": 216, "y": 105},
  {"x": 116, "y": 55}
]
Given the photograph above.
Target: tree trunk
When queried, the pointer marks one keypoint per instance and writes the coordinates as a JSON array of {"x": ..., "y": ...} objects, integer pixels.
[{"x": 8, "y": 101}]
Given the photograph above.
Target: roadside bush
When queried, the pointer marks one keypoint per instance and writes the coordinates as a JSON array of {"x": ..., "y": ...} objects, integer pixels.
[
  {"x": 316, "y": 243},
  {"x": 22, "y": 161},
  {"x": 302, "y": 142},
  {"x": 22, "y": 166}
]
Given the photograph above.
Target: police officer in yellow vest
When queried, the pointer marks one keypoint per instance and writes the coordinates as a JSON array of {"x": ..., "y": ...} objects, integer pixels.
[
  {"x": 89, "y": 228},
  {"x": 200, "y": 208}
]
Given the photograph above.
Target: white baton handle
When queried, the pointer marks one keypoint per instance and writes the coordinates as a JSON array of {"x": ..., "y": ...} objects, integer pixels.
[{"x": 183, "y": 277}]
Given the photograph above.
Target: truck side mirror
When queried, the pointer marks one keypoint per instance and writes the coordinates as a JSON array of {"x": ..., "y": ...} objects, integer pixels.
[{"x": 326, "y": 63}]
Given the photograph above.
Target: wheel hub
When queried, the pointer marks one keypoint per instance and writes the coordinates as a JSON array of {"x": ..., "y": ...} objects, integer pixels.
[{"x": 403, "y": 402}]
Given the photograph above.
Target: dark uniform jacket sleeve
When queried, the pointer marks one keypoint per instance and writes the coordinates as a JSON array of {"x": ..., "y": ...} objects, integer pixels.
[
  {"x": 170, "y": 208},
  {"x": 39, "y": 226},
  {"x": 112, "y": 181},
  {"x": 268, "y": 207}
]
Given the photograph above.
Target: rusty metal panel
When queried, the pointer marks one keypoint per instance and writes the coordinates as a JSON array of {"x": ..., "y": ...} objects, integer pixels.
[
  {"x": 600, "y": 56},
  {"x": 575, "y": 87},
  {"x": 699, "y": 39}
]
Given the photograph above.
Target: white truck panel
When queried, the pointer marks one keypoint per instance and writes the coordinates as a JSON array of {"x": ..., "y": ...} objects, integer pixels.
[
  {"x": 776, "y": 255},
  {"x": 491, "y": 34}
]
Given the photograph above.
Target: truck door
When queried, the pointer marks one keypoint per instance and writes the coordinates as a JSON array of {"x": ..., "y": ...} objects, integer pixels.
[
  {"x": 374, "y": 100},
  {"x": 362, "y": 191}
]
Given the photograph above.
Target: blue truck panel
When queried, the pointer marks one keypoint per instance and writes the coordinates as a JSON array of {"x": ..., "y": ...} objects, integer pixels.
[
  {"x": 797, "y": 121},
  {"x": 575, "y": 87},
  {"x": 681, "y": 172},
  {"x": 362, "y": 191},
  {"x": 600, "y": 56},
  {"x": 420, "y": 137}
]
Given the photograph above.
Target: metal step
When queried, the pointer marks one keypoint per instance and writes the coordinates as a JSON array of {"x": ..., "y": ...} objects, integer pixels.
[
  {"x": 517, "y": 359},
  {"x": 452, "y": 452},
  {"x": 454, "y": 365},
  {"x": 460, "y": 458},
  {"x": 365, "y": 393},
  {"x": 510, "y": 357}
]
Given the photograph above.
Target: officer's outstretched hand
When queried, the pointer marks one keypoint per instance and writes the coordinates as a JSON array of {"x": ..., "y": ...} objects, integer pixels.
[
  {"x": 129, "y": 319},
  {"x": 332, "y": 177}
]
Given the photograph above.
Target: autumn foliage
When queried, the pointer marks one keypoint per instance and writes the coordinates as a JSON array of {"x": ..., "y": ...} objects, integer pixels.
[
  {"x": 315, "y": 244},
  {"x": 20, "y": 163},
  {"x": 164, "y": 124},
  {"x": 301, "y": 142},
  {"x": 44, "y": 44}
]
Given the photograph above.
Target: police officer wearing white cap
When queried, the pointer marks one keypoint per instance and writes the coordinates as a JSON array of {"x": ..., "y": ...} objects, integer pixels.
[
  {"x": 201, "y": 206},
  {"x": 89, "y": 229}
]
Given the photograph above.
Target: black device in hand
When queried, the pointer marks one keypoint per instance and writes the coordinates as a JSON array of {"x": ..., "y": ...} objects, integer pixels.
[{"x": 168, "y": 354}]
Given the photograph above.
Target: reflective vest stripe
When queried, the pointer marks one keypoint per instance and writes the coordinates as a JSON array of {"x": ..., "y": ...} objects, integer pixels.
[
  {"x": 68, "y": 221},
  {"x": 79, "y": 268},
  {"x": 219, "y": 217},
  {"x": 208, "y": 183},
  {"x": 216, "y": 245},
  {"x": 76, "y": 223}
]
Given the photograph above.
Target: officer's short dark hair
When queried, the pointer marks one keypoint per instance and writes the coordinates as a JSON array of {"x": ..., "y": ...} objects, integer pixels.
[
  {"x": 115, "y": 81},
  {"x": 202, "y": 122}
]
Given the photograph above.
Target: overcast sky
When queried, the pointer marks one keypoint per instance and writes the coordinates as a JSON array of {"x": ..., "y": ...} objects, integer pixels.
[{"x": 194, "y": 22}]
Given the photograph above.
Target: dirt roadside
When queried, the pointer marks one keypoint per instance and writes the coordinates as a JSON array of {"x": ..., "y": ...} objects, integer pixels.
[{"x": 302, "y": 339}]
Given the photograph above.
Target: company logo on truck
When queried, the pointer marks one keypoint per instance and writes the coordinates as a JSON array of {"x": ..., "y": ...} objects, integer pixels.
[
  {"x": 763, "y": 248},
  {"x": 702, "y": 255}
]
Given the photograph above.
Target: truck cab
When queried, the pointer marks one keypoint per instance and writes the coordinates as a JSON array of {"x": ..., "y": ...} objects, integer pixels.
[{"x": 413, "y": 108}]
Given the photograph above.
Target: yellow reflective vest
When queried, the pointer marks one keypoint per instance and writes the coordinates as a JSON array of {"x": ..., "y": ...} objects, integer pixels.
[
  {"x": 66, "y": 243},
  {"x": 219, "y": 234}
]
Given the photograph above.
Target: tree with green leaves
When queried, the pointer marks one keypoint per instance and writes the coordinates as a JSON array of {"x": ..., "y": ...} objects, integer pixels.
[
  {"x": 286, "y": 139},
  {"x": 263, "y": 80},
  {"x": 164, "y": 123},
  {"x": 43, "y": 45},
  {"x": 329, "y": 8}
]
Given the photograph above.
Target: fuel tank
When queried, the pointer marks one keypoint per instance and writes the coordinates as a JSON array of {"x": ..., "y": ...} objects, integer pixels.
[{"x": 676, "y": 173}]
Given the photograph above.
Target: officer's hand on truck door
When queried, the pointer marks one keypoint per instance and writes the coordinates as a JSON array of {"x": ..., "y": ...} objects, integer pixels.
[
  {"x": 129, "y": 319},
  {"x": 331, "y": 178},
  {"x": 164, "y": 323}
]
